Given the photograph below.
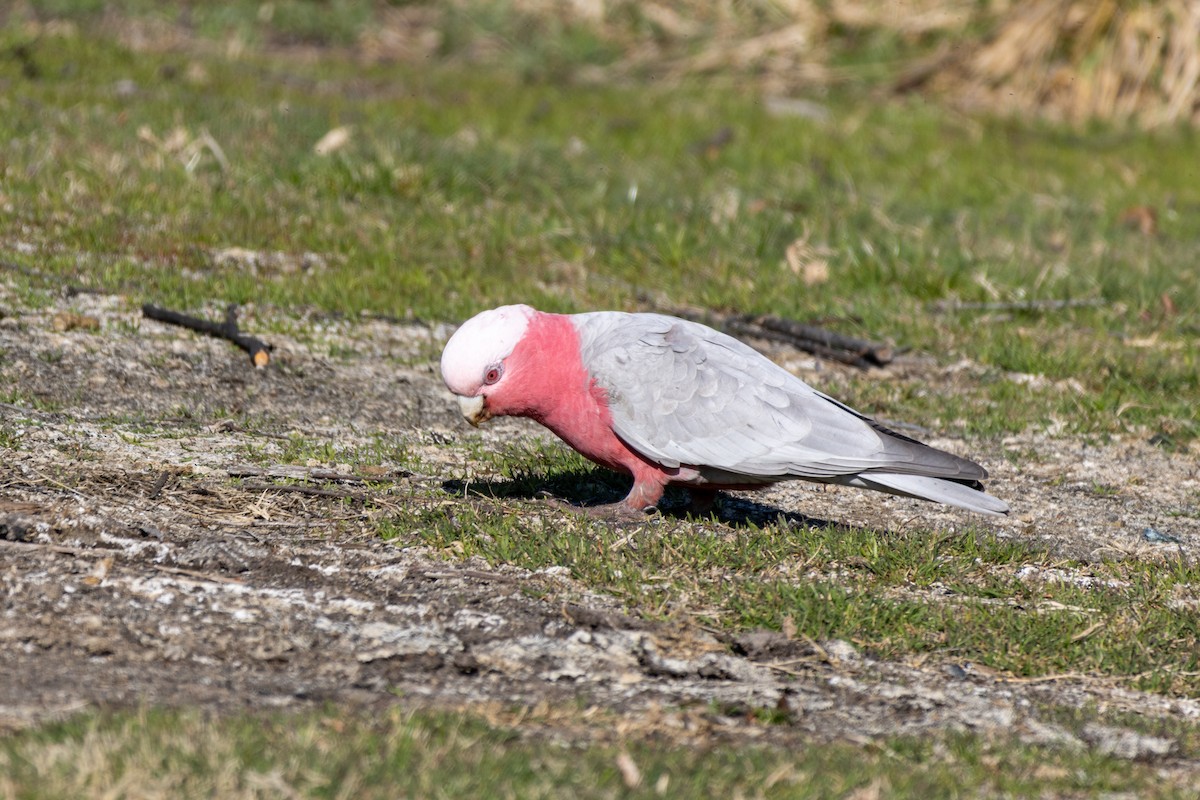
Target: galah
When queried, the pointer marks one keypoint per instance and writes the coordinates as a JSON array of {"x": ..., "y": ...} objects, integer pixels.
[{"x": 674, "y": 402}]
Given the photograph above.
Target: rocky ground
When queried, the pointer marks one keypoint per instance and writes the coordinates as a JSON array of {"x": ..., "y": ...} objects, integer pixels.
[{"x": 134, "y": 570}]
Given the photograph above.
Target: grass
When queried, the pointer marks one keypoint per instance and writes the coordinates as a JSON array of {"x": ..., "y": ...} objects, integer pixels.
[
  {"x": 900, "y": 594},
  {"x": 461, "y": 187},
  {"x": 332, "y": 755}
]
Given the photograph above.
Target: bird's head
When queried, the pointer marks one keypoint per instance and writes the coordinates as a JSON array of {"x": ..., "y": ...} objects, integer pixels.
[{"x": 474, "y": 361}]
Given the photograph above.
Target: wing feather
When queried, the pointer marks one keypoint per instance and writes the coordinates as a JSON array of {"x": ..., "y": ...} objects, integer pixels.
[{"x": 681, "y": 393}]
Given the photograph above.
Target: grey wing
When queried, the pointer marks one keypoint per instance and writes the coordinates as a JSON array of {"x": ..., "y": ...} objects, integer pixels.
[{"x": 681, "y": 393}]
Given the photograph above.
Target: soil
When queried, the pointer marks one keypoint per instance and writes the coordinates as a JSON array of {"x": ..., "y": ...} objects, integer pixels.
[{"x": 135, "y": 571}]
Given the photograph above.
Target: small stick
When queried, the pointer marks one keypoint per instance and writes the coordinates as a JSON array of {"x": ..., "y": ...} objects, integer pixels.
[
  {"x": 296, "y": 472},
  {"x": 156, "y": 490},
  {"x": 817, "y": 340},
  {"x": 191, "y": 573},
  {"x": 853, "y": 359},
  {"x": 477, "y": 574},
  {"x": 312, "y": 491},
  {"x": 810, "y": 338},
  {"x": 1020, "y": 305},
  {"x": 260, "y": 352}
]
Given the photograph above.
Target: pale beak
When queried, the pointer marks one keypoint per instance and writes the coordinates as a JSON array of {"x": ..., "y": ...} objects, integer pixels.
[{"x": 473, "y": 409}]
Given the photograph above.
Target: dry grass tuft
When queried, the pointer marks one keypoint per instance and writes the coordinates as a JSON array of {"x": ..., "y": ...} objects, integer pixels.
[
  {"x": 1080, "y": 60},
  {"x": 1065, "y": 60}
]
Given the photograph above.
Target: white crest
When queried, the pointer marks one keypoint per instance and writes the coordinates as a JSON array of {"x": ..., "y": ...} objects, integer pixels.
[{"x": 484, "y": 340}]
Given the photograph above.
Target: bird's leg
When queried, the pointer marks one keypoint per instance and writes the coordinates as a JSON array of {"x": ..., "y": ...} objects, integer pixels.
[
  {"x": 642, "y": 498},
  {"x": 617, "y": 512},
  {"x": 644, "y": 495}
]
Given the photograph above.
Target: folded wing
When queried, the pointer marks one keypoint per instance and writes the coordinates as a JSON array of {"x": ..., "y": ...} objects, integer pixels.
[{"x": 682, "y": 393}]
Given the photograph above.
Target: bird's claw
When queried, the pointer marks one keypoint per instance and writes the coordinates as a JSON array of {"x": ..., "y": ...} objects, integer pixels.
[{"x": 621, "y": 512}]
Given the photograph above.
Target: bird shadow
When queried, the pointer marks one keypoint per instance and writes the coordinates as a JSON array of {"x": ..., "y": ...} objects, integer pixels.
[{"x": 590, "y": 490}]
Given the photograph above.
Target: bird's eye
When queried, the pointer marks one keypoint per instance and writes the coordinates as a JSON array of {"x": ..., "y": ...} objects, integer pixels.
[{"x": 493, "y": 374}]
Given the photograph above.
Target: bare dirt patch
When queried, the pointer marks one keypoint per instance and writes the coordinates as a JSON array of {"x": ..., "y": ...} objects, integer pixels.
[{"x": 135, "y": 569}]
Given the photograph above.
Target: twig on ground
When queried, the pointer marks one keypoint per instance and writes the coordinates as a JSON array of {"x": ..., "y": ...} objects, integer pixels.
[
  {"x": 780, "y": 668},
  {"x": 312, "y": 491},
  {"x": 474, "y": 574},
  {"x": 813, "y": 339},
  {"x": 191, "y": 573},
  {"x": 297, "y": 472},
  {"x": 943, "y": 306},
  {"x": 259, "y": 351},
  {"x": 1062, "y": 676},
  {"x": 157, "y": 488},
  {"x": 816, "y": 340},
  {"x": 73, "y": 290}
]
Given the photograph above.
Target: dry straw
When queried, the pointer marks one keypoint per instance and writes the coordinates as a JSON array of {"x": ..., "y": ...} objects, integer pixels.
[
  {"x": 1081, "y": 60},
  {"x": 1065, "y": 60}
]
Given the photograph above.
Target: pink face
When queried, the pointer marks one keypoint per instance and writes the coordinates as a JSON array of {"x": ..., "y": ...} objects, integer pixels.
[{"x": 473, "y": 360}]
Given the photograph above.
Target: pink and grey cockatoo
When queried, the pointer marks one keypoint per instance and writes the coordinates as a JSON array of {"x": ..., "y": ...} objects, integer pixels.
[{"x": 673, "y": 402}]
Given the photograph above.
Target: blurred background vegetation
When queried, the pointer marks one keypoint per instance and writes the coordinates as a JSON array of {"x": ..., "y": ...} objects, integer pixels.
[
  {"x": 1013, "y": 183},
  {"x": 1064, "y": 60}
]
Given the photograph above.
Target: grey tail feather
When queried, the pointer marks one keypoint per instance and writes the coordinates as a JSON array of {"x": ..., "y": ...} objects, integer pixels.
[
  {"x": 921, "y": 456},
  {"x": 938, "y": 490}
]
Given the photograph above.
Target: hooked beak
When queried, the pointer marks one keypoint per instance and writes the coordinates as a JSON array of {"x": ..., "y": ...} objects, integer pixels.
[{"x": 473, "y": 409}]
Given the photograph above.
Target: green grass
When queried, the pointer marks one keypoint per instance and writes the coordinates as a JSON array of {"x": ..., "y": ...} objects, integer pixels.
[
  {"x": 395, "y": 754},
  {"x": 464, "y": 188},
  {"x": 898, "y": 594}
]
